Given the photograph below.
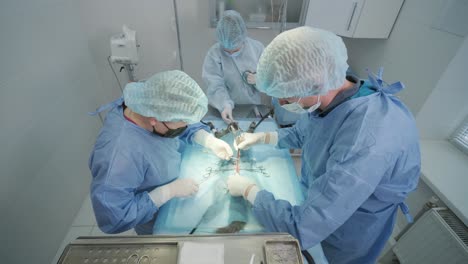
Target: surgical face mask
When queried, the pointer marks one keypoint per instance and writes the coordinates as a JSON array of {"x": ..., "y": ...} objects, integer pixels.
[
  {"x": 234, "y": 54},
  {"x": 171, "y": 133},
  {"x": 298, "y": 109},
  {"x": 315, "y": 106}
]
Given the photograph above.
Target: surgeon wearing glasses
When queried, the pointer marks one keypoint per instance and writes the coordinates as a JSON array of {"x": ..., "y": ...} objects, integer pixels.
[
  {"x": 135, "y": 161},
  {"x": 360, "y": 149}
]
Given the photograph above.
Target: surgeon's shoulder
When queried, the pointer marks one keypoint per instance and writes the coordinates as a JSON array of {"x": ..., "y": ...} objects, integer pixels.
[
  {"x": 387, "y": 106},
  {"x": 214, "y": 50},
  {"x": 371, "y": 110},
  {"x": 383, "y": 116},
  {"x": 112, "y": 127},
  {"x": 213, "y": 55},
  {"x": 255, "y": 42},
  {"x": 257, "y": 45}
]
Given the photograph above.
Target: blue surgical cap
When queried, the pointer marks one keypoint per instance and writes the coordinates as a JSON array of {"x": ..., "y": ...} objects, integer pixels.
[
  {"x": 302, "y": 62},
  {"x": 231, "y": 31},
  {"x": 169, "y": 96}
]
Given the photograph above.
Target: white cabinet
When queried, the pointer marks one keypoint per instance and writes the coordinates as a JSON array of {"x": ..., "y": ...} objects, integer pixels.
[{"x": 354, "y": 19}]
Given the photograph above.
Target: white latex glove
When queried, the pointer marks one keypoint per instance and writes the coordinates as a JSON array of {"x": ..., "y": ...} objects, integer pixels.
[
  {"x": 178, "y": 188},
  {"x": 251, "y": 78},
  {"x": 242, "y": 186},
  {"x": 218, "y": 146},
  {"x": 246, "y": 140},
  {"x": 227, "y": 114}
]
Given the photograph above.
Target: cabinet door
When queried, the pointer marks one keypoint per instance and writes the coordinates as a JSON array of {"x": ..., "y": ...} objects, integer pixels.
[
  {"x": 338, "y": 16},
  {"x": 377, "y": 18}
]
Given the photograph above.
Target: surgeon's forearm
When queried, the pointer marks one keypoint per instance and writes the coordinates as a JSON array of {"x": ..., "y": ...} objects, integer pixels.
[
  {"x": 201, "y": 137},
  {"x": 160, "y": 195},
  {"x": 271, "y": 138},
  {"x": 218, "y": 97},
  {"x": 251, "y": 194},
  {"x": 190, "y": 133}
]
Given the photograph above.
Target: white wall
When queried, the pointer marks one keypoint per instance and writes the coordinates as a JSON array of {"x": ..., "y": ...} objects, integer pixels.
[
  {"x": 415, "y": 53},
  {"x": 196, "y": 35},
  {"x": 447, "y": 106},
  {"x": 48, "y": 84},
  {"x": 154, "y": 22}
]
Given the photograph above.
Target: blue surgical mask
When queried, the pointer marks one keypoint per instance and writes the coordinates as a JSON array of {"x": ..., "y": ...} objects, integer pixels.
[
  {"x": 299, "y": 109},
  {"x": 234, "y": 54}
]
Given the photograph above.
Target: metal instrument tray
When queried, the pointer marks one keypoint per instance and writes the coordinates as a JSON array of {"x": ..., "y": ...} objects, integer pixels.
[{"x": 268, "y": 248}]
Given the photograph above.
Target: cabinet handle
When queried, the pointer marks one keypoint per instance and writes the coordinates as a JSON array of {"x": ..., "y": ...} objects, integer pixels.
[{"x": 352, "y": 15}]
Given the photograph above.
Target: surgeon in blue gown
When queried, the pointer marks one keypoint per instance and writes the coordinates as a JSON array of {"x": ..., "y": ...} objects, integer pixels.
[
  {"x": 360, "y": 149},
  {"x": 135, "y": 161},
  {"x": 230, "y": 65}
]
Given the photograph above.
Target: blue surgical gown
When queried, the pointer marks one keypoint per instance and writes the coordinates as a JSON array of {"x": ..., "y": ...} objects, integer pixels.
[
  {"x": 359, "y": 162},
  {"x": 222, "y": 75},
  {"x": 126, "y": 163}
]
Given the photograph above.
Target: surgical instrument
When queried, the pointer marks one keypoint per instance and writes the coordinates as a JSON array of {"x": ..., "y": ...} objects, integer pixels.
[
  {"x": 254, "y": 125},
  {"x": 231, "y": 128}
]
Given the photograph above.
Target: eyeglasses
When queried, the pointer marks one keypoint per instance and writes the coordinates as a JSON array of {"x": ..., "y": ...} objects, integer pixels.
[{"x": 171, "y": 133}]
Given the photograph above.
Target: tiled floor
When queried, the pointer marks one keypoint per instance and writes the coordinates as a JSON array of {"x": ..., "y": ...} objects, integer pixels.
[{"x": 84, "y": 225}]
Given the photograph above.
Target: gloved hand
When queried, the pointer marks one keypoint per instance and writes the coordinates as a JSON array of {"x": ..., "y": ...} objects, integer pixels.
[
  {"x": 218, "y": 146},
  {"x": 242, "y": 186},
  {"x": 246, "y": 140},
  {"x": 178, "y": 188},
  {"x": 227, "y": 114},
  {"x": 251, "y": 78}
]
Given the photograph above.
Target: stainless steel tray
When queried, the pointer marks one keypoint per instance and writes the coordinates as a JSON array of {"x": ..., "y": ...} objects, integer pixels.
[{"x": 268, "y": 249}]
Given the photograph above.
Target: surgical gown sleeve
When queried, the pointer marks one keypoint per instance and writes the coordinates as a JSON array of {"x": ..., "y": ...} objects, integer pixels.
[
  {"x": 292, "y": 137},
  {"x": 189, "y": 133},
  {"x": 353, "y": 170},
  {"x": 213, "y": 76},
  {"x": 114, "y": 196}
]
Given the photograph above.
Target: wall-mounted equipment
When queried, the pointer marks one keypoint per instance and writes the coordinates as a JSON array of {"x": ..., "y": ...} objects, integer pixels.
[{"x": 124, "y": 50}]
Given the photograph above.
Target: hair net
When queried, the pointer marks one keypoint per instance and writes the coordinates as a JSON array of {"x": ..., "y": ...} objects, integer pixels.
[
  {"x": 302, "y": 62},
  {"x": 169, "y": 96},
  {"x": 231, "y": 30}
]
